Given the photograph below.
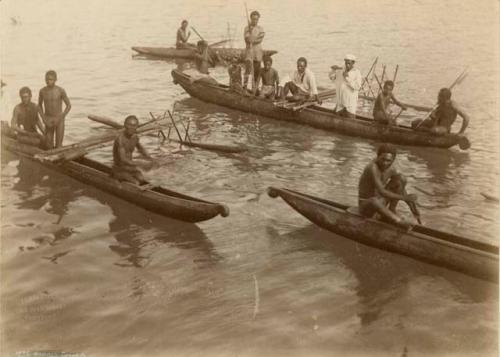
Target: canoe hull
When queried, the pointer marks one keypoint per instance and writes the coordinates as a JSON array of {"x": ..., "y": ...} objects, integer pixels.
[
  {"x": 314, "y": 116},
  {"x": 157, "y": 199},
  {"x": 172, "y": 52},
  {"x": 480, "y": 261}
]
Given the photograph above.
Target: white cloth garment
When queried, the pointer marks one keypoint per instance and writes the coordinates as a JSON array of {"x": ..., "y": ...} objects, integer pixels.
[
  {"x": 347, "y": 89},
  {"x": 306, "y": 82}
]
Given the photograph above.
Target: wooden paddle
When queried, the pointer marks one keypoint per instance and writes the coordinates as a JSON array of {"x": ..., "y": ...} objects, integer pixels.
[{"x": 212, "y": 147}]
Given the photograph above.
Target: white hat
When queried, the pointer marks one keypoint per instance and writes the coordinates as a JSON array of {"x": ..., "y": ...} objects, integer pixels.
[{"x": 350, "y": 57}]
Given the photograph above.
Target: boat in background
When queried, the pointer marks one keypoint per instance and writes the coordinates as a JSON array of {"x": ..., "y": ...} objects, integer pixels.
[{"x": 226, "y": 54}]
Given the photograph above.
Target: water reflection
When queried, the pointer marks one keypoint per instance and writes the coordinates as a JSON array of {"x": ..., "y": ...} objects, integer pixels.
[
  {"x": 133, "y": 228},
  {"x": 136, "y": 230},
  {"x": 383, "y": 277},
  {"x": 442, "y": 165}
]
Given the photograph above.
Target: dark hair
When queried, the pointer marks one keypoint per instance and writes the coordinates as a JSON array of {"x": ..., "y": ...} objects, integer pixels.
[
  {"x": 130, "y": 117},
  {"x": 184, "y": 22},
  {"x": 267, "y": 59},
  {"x": 445, "y": 93},
  {"x": 51, "y": 73},
  {"x": 24, "y": 90},
  {"x": 388, "y": 83},
  {"x": 202, "y": 43},
  {"x": 302, "y": 59},
  {"x": 386, "y": 149},
  {"x": 255, "y": 12}
]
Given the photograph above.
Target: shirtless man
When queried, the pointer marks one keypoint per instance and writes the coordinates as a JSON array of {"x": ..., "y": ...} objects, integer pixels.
[
  {"x": 183, "y": 36},
  {"x": 124, "y": 167},
  {"x": 25, "y": 115},
  {"x": 50, "y": 102},
  {"x": 381, "y": 112},
  {"x": 270, "y": 79},
  {"x": 443, "y": 117},
  {"x": 380, "y": 185}
]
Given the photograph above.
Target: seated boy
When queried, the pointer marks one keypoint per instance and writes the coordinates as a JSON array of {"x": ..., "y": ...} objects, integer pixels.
[
  {"x": 381, "y": 111},
  {"x": 270, "y": 79}
]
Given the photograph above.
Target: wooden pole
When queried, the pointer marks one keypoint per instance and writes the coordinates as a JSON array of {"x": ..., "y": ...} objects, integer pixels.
[
  {"x": 175, "y": 127},
  {"x": 365, "y": 80}
]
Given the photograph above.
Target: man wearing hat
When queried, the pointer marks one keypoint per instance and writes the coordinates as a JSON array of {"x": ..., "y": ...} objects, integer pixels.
[
  {"x": 348, "y": 82},
  {"x": 254, "y": 34}
]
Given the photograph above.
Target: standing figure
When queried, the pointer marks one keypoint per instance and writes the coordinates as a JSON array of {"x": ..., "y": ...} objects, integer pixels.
[
  {"x": 347, "y": 82},
  {"x": 253, "y": 35},
  {"x": 50, "y": 102}
]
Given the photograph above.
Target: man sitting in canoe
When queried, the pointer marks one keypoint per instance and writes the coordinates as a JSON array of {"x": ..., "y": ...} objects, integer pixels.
[
  {"x": 124, "y": 167},
  {"x": 203, "y": 60},
  {"x": 26, "y": 117},
  {"x": 381, "y": 113},
  {"x": 381, "y": 187},
  {"x": 347, "y": 82},
  {"x": 443, "y": 116},
  {"x": 183, "y": 37},
  {"x": 303, "y": 84},
  {"x": 270, "y": 79}
]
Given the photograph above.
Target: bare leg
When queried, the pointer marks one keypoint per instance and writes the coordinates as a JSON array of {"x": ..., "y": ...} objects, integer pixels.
[
  {"x": 49, "y": 137},
  {"x": 248, "y": 70},
  {"x": 60, "y": 133}
]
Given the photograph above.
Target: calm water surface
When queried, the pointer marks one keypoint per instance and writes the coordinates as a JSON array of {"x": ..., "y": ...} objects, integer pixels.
[{"x": 83, "y": 271}]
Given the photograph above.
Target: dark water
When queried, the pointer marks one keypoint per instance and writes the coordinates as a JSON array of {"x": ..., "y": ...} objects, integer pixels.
[{"x": 83, "y": 271}]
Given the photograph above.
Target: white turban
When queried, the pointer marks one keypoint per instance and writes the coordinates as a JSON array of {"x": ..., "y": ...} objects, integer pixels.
[{"x": 350, "y": 57}]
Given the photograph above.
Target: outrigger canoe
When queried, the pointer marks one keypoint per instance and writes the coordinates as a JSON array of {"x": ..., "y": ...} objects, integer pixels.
[
  {"x": 150, "y": 197},
  {"x": 186, "y": 53},
  {"x": 316, "y": 116},
  {"x": 457, "y": 253}
]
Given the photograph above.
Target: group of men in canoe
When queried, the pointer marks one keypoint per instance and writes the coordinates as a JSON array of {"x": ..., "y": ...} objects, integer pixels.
[
  {"x": 43, "y": 122},
  {"x": 381, "y": 186},
  {"x": 302, "y": 85}
]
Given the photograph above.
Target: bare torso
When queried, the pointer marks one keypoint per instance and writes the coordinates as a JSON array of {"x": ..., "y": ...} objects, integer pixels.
[{"x": 52, "y": 99}]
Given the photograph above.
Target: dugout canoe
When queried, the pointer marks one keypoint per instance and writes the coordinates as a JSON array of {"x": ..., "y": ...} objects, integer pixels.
[
  {"x": 226, "y": 54},
  {"x": 457, "y": 253},
  {"x": 152, "y": 198},
  {"x": 316, "y": 116}
]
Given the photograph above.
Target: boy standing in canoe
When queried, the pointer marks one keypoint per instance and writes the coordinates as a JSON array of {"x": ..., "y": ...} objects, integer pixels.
[
  {"x": 253, "y": 35},
  {"x": 381, "y": 187},
  {"x": 124, "y": 167},
  {"x": 50, "y": 101},
  {"x": 381, "y": 113}
]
